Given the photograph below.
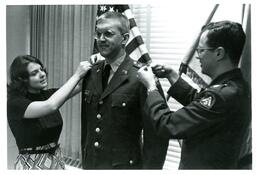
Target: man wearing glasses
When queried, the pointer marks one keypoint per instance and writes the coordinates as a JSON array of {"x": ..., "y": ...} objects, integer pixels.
[
  {"x": 214, "y": 121},
  {"x": 112, "y": 106}
]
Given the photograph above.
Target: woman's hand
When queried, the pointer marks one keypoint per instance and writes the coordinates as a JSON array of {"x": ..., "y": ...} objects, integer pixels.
[{"x": 83, "y": 68}]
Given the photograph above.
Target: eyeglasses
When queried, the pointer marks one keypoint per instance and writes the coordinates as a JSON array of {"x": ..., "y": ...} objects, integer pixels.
[
  {"x": 200, "y": 50},
  {"x": 106, "y": 35}
]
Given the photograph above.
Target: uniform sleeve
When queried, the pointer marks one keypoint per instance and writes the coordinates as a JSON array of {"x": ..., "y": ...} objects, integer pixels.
[
  {"x": 205, "y": 111},
  {"x": 182, "y": 92},
  {"x": 16, "y": 107}
]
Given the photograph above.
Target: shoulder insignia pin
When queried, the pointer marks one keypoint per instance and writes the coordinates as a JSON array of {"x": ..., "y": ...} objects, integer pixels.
[
  {"x": 124, "y": 71},
  {"x": 137, "y": 64},
  {"x": 216, "y": 85}
]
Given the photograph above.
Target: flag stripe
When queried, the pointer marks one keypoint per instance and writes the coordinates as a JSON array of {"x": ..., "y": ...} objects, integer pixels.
[
  {"x": 128, "y": 14},
  {"x": 124, "y": 7},
  {"x": 145, "y": 58},
  {"x": 132, "y": 23},
  {"x": 134, "y": 32},
  {"x": 138, "y": 51},
  {"x": 135, "y": 42}
]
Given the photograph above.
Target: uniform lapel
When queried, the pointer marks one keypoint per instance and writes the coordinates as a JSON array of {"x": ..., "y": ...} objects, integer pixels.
[
  {"x": 97, "y": 76},
  {"x": 119, "y": 77}
]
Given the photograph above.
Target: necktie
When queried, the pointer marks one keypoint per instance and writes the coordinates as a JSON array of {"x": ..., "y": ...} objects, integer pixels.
[{"x": 105, "y": 76}]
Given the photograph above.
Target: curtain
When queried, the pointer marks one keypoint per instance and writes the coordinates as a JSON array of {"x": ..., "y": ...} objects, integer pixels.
[{"x": 62, "y": 36}]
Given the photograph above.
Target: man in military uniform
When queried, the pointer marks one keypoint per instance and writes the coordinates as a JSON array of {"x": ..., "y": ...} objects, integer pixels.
[
  {"x": 112, "y": 106},
  {"x": 212, "y": 122}
]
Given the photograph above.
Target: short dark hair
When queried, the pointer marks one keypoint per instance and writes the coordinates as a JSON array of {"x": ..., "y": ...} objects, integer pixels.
[
  {"x": 124, "y": 22},
  {"x": 227, "y": 34},
  {"x": 19, "y": 74}
]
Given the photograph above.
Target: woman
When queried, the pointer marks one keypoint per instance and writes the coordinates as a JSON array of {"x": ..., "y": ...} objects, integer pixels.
[{"x": 33, "y": 114}]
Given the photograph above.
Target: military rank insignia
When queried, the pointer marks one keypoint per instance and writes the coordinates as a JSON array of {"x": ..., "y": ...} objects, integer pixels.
[{"x": 138, "y": 64}]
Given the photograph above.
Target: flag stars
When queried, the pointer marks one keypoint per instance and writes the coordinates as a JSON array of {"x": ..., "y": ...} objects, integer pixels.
[
  {"x": 103, "y": 8},
  {"x": 111, "y": 9}
]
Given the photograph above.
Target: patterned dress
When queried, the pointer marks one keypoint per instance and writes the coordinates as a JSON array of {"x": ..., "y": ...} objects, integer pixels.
[
  {"x": 36, "y": 138},
  {"x": 40, "y": 161}
]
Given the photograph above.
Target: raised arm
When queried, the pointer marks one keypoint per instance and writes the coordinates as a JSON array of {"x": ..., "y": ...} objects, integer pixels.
[{"x": 41, "y": 108}]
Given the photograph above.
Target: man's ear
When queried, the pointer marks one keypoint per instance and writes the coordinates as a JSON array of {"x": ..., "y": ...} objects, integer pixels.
[
  {"x": 220, "y": 53},
  {"x": 126, "y": 38}
]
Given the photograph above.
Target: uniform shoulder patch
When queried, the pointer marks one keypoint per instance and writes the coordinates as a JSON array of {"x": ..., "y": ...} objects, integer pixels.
[{"x": 207, "y": 102}]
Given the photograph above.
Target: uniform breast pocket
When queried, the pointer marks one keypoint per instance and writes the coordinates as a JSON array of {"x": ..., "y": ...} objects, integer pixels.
[
  {"x": 87, "y": 96},
  {"x": 122, "y": 106}
]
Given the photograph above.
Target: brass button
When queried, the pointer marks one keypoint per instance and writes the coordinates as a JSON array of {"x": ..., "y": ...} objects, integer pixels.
[
  {"x": 131, "y": 162},
  {"x": 98, "y": 116},
  {"x": 97, "y": 129},
  {"x": 96, "y": 144},
  {"x": 101, "y": 102},
  {"x": 123, "y": 104}
]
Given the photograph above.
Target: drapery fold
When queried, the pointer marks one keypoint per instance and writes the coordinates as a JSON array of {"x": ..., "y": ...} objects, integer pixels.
[{"x": 62, "y": 36}]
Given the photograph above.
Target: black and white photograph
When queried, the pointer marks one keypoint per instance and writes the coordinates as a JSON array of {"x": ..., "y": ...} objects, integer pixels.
[{"x": 152, "y": 86}]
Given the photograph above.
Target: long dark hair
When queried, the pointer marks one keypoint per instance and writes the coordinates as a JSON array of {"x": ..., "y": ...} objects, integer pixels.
[{"x": 19, "y": 75}]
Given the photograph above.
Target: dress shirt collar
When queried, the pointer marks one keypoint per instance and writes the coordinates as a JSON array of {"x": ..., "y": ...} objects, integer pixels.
[{"x": 114, "y": 66}]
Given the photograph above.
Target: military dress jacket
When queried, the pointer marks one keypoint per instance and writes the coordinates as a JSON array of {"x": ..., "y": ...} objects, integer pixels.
[
  {"x": 113, "y": 119},
  {"x": 212, "y": 122}
]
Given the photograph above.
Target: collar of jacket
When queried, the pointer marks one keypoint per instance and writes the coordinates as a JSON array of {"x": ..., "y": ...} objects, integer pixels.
[{"x": 232, "y": 74}]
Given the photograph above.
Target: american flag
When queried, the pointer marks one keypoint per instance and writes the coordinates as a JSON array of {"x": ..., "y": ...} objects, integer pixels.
[
  {"x": 190, "y": 65},
  {"x": 135, "y": 47}
]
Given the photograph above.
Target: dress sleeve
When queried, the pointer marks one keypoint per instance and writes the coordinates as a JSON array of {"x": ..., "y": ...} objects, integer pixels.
[{"x": 16, "y": 107}]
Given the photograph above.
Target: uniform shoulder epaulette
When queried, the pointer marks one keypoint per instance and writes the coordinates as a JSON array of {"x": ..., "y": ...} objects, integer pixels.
[
  {"x": 98, "y": 62},
  {"x": 217, "y": 87},
  {"x": 138, "y": 64}
]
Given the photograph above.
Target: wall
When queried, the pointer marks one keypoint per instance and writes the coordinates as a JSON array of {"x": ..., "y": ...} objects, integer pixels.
[{"x": 17, "y": 38}]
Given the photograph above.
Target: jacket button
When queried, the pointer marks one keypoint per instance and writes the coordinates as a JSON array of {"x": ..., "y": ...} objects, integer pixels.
[
  {"x": 131, "y": 162},
  {"x": 96, "y": 144},
  {"x": 97, "y": 129},
  {"x": 98, "y": 116},
  {"x": 101, "y": 102},
  {"x": 123, "y": 104}
]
